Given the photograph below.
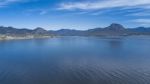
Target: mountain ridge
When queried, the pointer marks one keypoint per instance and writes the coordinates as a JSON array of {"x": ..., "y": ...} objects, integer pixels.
[{"x": 114, "y": 29}]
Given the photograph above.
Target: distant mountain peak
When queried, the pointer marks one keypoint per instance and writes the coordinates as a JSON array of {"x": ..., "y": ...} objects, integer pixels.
[
  {"x": 115, "y": 27},
  {"x": 39, "y": 29},
  {"x": 116, "y": 24}
]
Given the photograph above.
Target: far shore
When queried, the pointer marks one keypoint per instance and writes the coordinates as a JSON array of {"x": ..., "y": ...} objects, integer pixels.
[
  {"x": 22, "y": 37},
  {"x": 42, "y": 37}
]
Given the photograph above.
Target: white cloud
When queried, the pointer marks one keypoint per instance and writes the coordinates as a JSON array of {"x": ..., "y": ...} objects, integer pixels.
[
  {"x": 142, "y": 22},
  {"x": 37, "y": 11},
  {"x": 139, "y": 14},
  {"x": 102, "y": 4},
  {"x": 4, "y": 3}
]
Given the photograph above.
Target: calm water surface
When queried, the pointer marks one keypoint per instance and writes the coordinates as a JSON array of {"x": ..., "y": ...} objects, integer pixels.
[{"x": 76, "y": 60}]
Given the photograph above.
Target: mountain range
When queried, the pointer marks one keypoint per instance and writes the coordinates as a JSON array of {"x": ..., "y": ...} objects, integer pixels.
[{"x": 113, "y": 30}]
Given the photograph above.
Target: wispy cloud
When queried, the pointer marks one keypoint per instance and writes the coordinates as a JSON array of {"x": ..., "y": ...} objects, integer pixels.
[
  {"x": 37, "y": 11},
  {"x": 103, "y": 4},
  {"x": 4, "y": 3},
  {"x": 139, "y": 14},
  {"x": 142, "y": 22},
  {"x": 97, "y": 13},
  {"x": 128, "y": 10}
]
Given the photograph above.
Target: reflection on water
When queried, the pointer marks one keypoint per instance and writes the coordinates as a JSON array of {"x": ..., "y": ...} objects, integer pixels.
[{"x": 76, "y": 60}]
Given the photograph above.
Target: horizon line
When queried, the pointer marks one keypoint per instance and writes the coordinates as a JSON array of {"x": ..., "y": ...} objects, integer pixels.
[{"x": 73, "y": 28}]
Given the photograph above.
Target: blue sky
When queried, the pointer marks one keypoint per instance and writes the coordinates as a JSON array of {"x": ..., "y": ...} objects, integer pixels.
[{"x": 74, "y": 14}]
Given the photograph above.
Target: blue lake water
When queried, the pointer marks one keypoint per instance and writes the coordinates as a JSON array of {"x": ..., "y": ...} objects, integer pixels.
[{"x": 76, "y": 60}]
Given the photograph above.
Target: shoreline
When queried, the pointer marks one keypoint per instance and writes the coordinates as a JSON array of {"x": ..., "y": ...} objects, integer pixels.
[
  {"x": 42, "y": 37},
  {"x": 22, "y": 37}
]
